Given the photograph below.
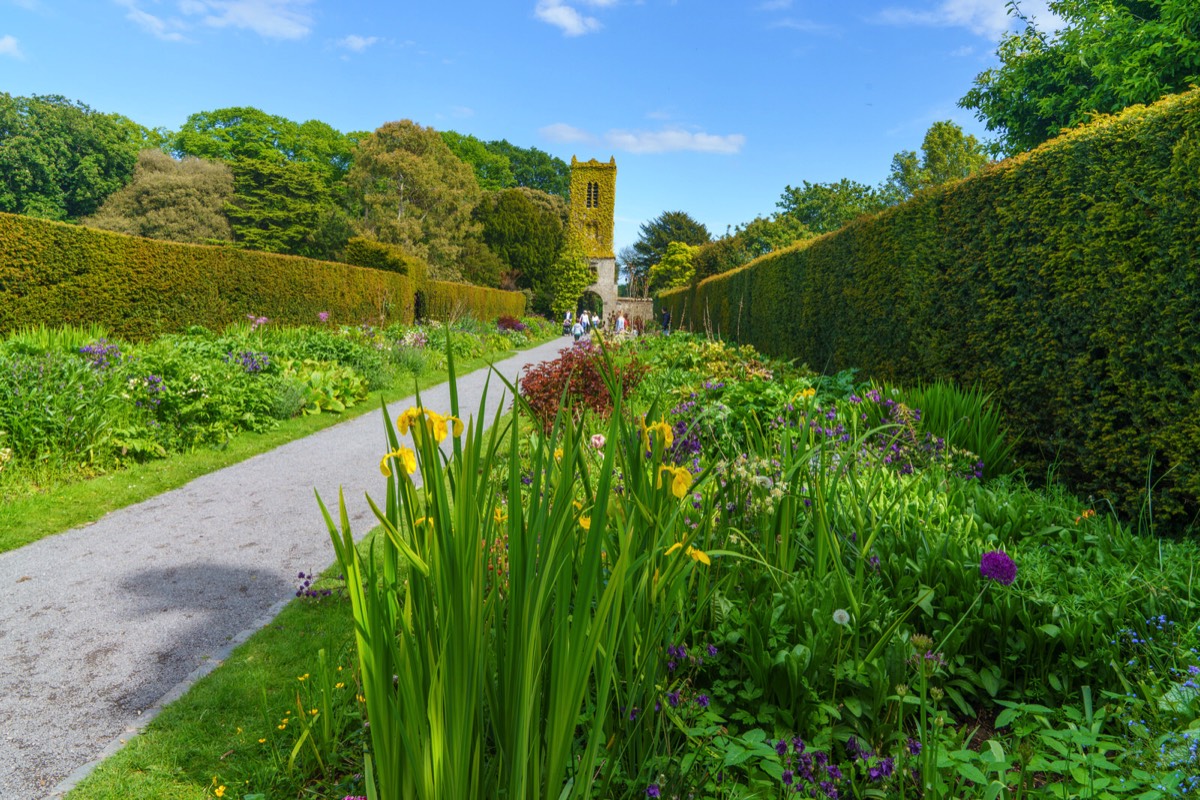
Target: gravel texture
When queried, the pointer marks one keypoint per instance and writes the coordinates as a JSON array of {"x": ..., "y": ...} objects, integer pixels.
[{"x": 102, "y": 625}]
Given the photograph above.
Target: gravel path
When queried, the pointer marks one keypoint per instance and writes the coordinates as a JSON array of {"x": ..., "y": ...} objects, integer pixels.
[{"x": 102, "y": 625}]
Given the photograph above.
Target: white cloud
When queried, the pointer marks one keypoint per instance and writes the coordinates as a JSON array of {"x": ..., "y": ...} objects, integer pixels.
[
  {"x": 668, "y": 140},
  {"x": 564, "y": 133},
  {"x": 167, "y": 30},
  {"x": 675, "y": 140},
  {"x": 29, "y": 5},
  {"x": 357, "y": 43},
  {"x": 775, "y": 5},
  {"x": 566, "y": 17},
  {"x": 462, "y": 112},
  {"x": 274, "y": 19},
  {"x": 803, "y": 25},
  {"x": 988, "y": 18},
  {"x": 9, "y": 46},
  {"x": 963, "y": 52}
]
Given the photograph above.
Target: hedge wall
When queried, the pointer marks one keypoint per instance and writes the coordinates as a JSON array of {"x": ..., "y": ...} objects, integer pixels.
[
  {"x": 1065, "y": 280},
  {"x": 445, "y": 300},
  {"x": 54, "y": 274}
]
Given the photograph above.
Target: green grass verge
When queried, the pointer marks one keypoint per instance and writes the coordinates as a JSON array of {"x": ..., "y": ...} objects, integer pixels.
[
  {"x": 225, "y": 729},
  {"x": 81, "y": 502}
]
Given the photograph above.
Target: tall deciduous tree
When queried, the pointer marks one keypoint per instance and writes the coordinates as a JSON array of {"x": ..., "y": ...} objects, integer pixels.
[
  {"x": 181, "y": 201},
  {"x": 535, "y": 169},
  {"x": 946, "y": 154},
  {"x": 1110, "y": 54},
  {"x": 657, "y": 234},
  {"x": 825, "y": 207},
  {"x": 248, "y": 133},
  {"x": 60, "y": 159},
  {"x": 492, "y": 170},
  {"x": 416, "y": 193},
  {"x": 674, "y": 268}
]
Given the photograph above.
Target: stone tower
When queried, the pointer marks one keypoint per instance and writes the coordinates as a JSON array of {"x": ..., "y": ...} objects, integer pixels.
[{"x": 593, "y": 192}]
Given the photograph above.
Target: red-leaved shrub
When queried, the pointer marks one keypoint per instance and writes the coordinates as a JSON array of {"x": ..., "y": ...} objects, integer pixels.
[{"x": 542, "y": 384}]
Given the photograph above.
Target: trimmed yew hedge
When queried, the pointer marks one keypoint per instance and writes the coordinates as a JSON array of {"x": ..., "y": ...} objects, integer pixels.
[
  {"x": 54, "y": 274},
  {"x": 448, "y": 300},
  {"x": 1065, "y": 280}
]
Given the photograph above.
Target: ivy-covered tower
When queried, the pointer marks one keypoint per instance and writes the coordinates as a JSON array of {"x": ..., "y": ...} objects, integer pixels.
[{"x": 593, "y": 192}]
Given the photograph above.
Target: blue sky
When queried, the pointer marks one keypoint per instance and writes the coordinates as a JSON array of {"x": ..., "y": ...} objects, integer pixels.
[{"x": 709, "y": 107}]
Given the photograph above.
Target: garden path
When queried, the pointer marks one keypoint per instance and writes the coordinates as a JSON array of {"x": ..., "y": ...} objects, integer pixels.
[{"x": 102, "y": 625}]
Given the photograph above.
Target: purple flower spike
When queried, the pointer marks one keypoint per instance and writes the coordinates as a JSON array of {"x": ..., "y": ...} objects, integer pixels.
[
  {"x": 652, "y": 791},
  {"x": 996, "y": 565}
]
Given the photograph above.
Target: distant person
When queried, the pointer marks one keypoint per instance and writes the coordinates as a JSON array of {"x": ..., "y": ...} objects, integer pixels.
[
  {"x": 620, "y": 324},
  {"x": 586, "y": 319},
  {"x": 666, "y": 319},
  {"x": 567, "y": 324},
  {"x": 577, "y": 329}
]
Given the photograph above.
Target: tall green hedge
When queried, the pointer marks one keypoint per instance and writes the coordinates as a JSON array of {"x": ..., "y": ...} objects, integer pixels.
[
  {"x": 445, "y": 300},
  {"x": 54, "y": 274},
  {"x": 1065, "y": 280}
]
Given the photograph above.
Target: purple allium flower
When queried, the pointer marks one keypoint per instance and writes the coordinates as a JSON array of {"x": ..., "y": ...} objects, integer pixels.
[
  {"x": 653, "y": 791},
  {"x": 996, "y": 565},
  {"x": 323, "y": 316}
]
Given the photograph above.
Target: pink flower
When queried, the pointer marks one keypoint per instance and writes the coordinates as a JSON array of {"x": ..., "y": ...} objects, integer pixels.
[
  {"x": 598, "y": 441},
  {"x": 323, "y": 316}
]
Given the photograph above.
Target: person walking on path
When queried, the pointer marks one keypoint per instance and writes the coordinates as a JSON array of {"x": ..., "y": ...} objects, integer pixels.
[
  {"x": 620, "y": 323},
  {"x": 577, "y": 329}
]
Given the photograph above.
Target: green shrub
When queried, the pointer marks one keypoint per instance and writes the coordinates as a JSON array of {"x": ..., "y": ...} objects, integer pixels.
[
  {"x": 363, "y": 252},
  {"x": 1063, "y": 281}
]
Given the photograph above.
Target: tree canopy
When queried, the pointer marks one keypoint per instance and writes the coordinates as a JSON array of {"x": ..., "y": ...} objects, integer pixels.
[
  {"x": 181, "y": 201},
  {"x": 60, "y": 159},
  {"x": 492, "y": 170},
  {"x": 675, "y": 268},
  {"x": 1109, "y": 55},
  {"x": 534, "y": 168},
  {"x": 525, "y": 228},
  {"x": 825, "y": 207},
  {"x": 229, "y": 134},
  {"x": 946, "y": 154},
  {"x": 657, "y": 234},
  {"x": 416, "y": 193}
]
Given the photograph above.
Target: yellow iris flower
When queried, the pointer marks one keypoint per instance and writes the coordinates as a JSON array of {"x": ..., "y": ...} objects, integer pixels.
[
  {"x": 407, "y": 458},
  {"x": 498, "y": 515},
  {"x": 408, "y": 419},
  {"x": 691, "y": 552},
  {"x": 439, "y": 425},
  {"x": 661, "y": 430},
  {"x": 805, "y": 394},
  {"x": 681, "y": 479}
]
